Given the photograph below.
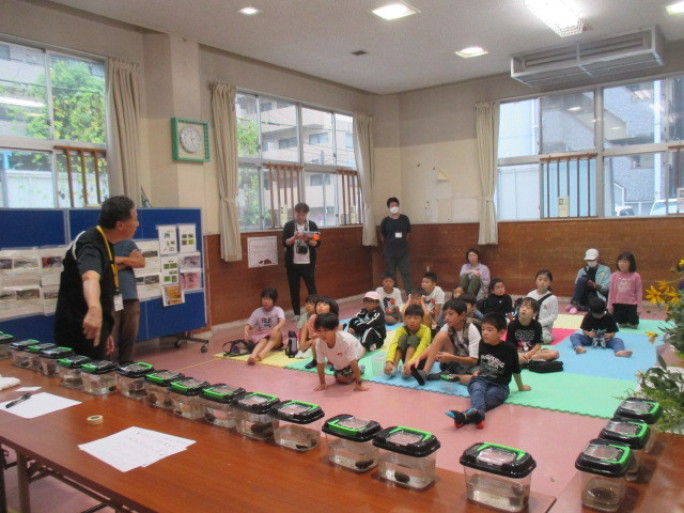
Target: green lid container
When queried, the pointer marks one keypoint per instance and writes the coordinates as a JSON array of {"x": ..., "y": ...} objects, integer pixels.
[
  {"x": 163, "y": 377},
  {"x": 6, "y": 338},
  {"x": 631, "y": 432},
  {"x": 135, "y": 369},
  {"x": 297, "y": 412},
  {"x": 605, "y": 458},
  {"x": 73, "y": 362},
  {"x": 40, "y": 346},
  {"x": 351, "y": 428},
  {"x": 23, "y": 345},
  {"x": 256, "y": 402},
  {"x": 640, "y": 409},
  {"x": 406, "y": 440},
  {"x": 222, "y": 393},
  {"x": 188, "y": 386},
  {"x": 498, "y": 459},
  {"x": 98, "y": 367}
]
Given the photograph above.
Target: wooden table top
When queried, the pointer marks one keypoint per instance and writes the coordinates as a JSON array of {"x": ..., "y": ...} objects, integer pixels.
[{"x": 222, "y": 471}]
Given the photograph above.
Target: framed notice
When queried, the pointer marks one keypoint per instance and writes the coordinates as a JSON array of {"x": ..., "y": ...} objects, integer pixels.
[{"x": 262, "y": 251}]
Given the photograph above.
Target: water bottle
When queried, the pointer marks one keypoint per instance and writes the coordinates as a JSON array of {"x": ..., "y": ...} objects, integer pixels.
[{"x": 291, "y": 349}]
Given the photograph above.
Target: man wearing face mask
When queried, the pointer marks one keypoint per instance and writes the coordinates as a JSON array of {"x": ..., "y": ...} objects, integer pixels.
[
  {"x": 394, "y": 233},
  {"x": 592, "y": 281},
  {"x": 301, "y": 239}
]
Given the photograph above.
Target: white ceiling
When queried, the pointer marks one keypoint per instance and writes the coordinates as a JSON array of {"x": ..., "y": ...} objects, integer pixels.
[{"x": 317, "y": 37}]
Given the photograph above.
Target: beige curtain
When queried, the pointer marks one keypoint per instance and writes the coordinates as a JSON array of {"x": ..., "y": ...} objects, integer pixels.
[
  {"x": 487, "y": 132},
  {"x": 225, "y": 143},
  {"x": 363, "y": 151},
  {"x": 123, "y": 93}
]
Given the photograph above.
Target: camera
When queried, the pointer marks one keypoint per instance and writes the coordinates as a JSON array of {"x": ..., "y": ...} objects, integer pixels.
[{"x": 302, "y": 249}]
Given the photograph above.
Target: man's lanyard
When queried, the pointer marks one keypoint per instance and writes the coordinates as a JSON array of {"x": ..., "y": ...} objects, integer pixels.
[{"x": 112, "y": 264}]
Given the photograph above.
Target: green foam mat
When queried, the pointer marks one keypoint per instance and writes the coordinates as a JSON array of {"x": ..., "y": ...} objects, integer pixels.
[{"x": 573, "y": 393}]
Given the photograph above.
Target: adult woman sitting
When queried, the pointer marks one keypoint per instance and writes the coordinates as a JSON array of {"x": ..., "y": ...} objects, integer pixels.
[{"x": 475, "y": 276}]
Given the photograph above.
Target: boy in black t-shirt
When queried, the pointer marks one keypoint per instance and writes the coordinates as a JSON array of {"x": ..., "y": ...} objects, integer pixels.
[
  {"x": 598, "y": 330},
  {"x": 526, "y": 334},
  {"x": 488, "y": 388}
]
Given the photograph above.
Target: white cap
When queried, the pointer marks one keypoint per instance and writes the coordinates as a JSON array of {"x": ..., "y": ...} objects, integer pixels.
[
  {"x": 372, "y": 295},
  {"x": 591, "y": 254}
]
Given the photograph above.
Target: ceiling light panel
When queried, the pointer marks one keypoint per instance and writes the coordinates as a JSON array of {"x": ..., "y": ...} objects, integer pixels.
[
  {"x": 471, "y": 51},
  {"x": 249, "y": 11},
  {"x": 558, "y": 15},
  {"x": 395, "y": 11}
]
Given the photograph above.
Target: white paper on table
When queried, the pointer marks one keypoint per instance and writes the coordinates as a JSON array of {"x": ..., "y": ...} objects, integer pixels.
[
  {"x": 28, "y": 389},
  {"x": 135, "y": 447},
  {"x": 38, "y": 404}
]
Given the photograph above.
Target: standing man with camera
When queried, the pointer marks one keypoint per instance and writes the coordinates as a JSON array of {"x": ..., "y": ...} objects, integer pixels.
[{"x": 301, "y": 239}]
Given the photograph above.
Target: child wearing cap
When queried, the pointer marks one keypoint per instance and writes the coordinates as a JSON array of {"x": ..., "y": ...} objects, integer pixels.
[
  {"x": 390, "y": 296},
  {"x": 369, "y": 324}
]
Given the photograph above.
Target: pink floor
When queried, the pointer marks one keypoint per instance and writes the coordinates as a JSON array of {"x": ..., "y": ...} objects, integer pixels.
[{"x": 554, "y": 439}]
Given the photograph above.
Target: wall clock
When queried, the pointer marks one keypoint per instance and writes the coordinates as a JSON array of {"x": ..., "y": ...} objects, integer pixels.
[{"x": 189, "y": 140}]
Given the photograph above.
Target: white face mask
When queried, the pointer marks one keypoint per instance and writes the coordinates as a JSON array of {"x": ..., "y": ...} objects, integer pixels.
[
  {"x": 592, "y": 264},
  {"x": 394, "y": 210}
]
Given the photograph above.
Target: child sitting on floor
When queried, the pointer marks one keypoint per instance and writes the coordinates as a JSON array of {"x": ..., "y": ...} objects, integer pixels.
[
  {"x": 434, "y": 295},
  {"x": 548, "y": 303},
  {"x": 266, "y": 323},
  {"x": 498, "y": 301},
  {"x": 525, "y": 333},
  {"x": 488, "y": 387},
  {"x": 303, "y": 343},
  {"x": 369, "y": 323},
  {"x": 415, "y": 297},
  {"x": 598, "y": 329},
  {"x": 390, "y": 297},
  {"x": 339, "y": 348},
  {"x": 409, "y": 341},
  {"x": 324, "y": 304}
]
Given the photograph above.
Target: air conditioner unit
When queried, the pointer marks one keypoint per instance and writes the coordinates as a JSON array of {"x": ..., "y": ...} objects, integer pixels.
[{"x": 579, "y": 62}]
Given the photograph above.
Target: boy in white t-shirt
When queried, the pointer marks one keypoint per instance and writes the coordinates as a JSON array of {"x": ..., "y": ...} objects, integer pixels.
[
  {"x": 434, "y": 295},
  {"x": 390, "y": 299},
  {"x": 341, "y": 349},
  {"x": 264, "y": 325}
]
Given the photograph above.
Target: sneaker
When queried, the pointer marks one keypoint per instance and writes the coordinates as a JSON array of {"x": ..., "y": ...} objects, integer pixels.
[
  {"x": 459, "y": 417},
  {"x": 307, "y": 353},
  {"x": 474, "y": 416},
  {"x": 420, "y": 375},
  {"x": 311, "y": 364},
  {"x": 434, "y": 376}
]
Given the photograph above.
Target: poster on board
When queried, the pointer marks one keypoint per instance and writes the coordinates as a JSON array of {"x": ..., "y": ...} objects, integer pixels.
[{"x": 262, "y": 251}]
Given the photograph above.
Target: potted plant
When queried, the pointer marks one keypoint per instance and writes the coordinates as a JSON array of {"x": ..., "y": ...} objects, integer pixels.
[{"x": 665, "y": 383}]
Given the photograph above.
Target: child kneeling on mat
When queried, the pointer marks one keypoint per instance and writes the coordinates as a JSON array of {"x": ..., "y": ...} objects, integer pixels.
[
  {"x": 488, "y": 387},
  {"x": 341, "y": 349}
]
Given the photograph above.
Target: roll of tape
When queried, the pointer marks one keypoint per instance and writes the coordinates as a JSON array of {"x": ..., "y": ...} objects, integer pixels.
[{"x": 95, "y": 419}]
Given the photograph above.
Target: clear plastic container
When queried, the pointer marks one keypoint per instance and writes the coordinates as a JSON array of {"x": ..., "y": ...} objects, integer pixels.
[
  {"x": 603, "y": 465},
  {"x": 34, "y": 352},
  {"x": 252, "y": 417},
  {"x": 130, "y": 379},
  {"x": 69, "y": 370},
  {"x": 498, "y": 476},
  {"x": 633, "y": 433},
  {"x": 20, "y": 356},
  {"x": 157, "y": 386},
  {"x": 218, "y": 404},
  {"x": 639, "y": 408},
  {"x": 407, "y": 456},
  {"x": 5, "y": 340},
  {"x": 49, "y": 360},
  {"x": 350, "y": 442},
  {"x": 185, "y": 395},
  {"x": 300, "y": 430},
  {"x": 99, "y": 377}
]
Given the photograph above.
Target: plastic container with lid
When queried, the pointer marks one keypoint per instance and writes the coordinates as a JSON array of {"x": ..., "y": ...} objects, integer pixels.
[
  {"x": 49, "y": 359},
  {"x": 407, "y": 456},
  {"x": 69, "y": 370},
  {"x": 603, "y": 465},
  {"x": 300, "y": 430},
  {"x": 34, "y": 352},
  {"x": 251, "y": 415},
  {"x": 640, "y": 409},
  {"x": 157, "y": 386},
  {"x": 20, "y": 356},
  {"x": 218, "y": 404},
  {"x": 633, "y": 433},
  {"x": 185, "y": 395},
  {"x": 350, "y": 442},
  {"x": 99, "y": 377},
  {"x": 498, "y": 476},
  {"x": 5, "y": 340},
  {"x": 130, "y": 379}
]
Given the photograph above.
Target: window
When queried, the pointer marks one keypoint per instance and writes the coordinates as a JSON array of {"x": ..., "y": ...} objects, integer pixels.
[
  {"x": 606, "y": 151},
  {"x": 276, "y": 136},
  {"x": 48, "y": 99}
]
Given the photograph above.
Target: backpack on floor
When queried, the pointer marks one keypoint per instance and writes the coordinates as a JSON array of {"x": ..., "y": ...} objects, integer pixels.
[
  {"x": 542, "y": 366},
  {"x": 238, "y": 347}
]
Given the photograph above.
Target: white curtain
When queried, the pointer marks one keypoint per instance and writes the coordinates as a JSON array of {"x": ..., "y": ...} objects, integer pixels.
[
  {"x": 363, "y": 151},
  {"x": 123, "y": 93},
  {"x": 487, "y": 130},
  {"x": 225, "y": 144}
]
